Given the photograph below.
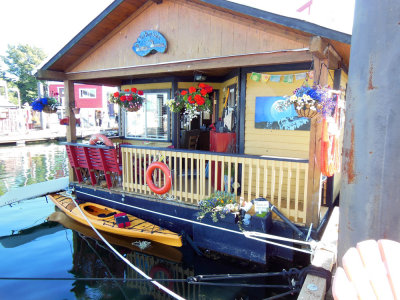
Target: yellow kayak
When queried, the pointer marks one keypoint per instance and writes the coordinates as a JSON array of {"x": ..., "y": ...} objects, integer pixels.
[{"x": 114, "y": 221}]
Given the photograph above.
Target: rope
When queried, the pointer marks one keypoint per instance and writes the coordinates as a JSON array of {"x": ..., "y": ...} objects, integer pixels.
[
  {"x": 176, "y": 296},
  {"x": 212, "y": 226}
]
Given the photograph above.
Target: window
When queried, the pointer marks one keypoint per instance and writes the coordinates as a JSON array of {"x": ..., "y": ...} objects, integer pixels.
[
  {"x": 151, "y": 121},
  {"x": 87, "y": 93}
]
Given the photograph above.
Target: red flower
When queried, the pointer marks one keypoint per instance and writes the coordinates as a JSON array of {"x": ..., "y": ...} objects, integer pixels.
[
  {"x": 192, "y": 90},
  {"x": 190, "y": 100},
  {"x": 129, "y": 98},
  {"x": 208, "y": 89},
  {"x": 199, "y": 99},
  {"x": 126, "y": 90},
  {"x": 123, "y": 98},
  {"x": 116, "y": 94},
  {"x": 183, "y": 93},
  {"x": 203, "y": 92},
  {"x": 202, "y": 85},
  {"x": 140, "y": 93},
  {"x": 134, "y": 90}
]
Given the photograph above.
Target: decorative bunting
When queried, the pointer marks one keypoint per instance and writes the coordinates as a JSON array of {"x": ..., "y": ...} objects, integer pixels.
[
  {"x": 265, "y": 77},
  {"x": 288, "y": 78},
  {"x": 275, "y": 78},
  {"x": 300, "y": 76},
  {"x": 255, "y": 76}
]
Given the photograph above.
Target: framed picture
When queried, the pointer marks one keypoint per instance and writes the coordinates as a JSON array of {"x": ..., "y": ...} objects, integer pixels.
[{"x": 271, "y": 114}]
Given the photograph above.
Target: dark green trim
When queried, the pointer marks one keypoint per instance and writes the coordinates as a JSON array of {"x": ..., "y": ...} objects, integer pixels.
[
  {"x": 242, "y": 108},
  {"x": 175, "y": 126},
  {"x": 301, "y": 25}
]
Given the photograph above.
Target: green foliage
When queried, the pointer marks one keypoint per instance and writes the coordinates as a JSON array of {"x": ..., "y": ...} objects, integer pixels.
[
  {"x": 218, "y": 204},
  {"x": 22, "y": 61}
]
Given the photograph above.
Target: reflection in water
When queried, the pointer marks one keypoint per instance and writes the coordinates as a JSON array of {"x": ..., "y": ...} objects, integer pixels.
[
  {"x": 25, "y": 165},
  {"x": 49, "y": 251}
]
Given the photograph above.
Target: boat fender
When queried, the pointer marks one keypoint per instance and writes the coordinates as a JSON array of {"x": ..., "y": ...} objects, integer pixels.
[
  {"x": 167, "y": 175},
  {"x": 167, "y": 274},
  {"x": 96, "y": 138},
  {"x": 122, "y": 220}
]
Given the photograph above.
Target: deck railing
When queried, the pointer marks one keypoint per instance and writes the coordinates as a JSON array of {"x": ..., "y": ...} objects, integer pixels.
[{"x": 197, "y": 174}]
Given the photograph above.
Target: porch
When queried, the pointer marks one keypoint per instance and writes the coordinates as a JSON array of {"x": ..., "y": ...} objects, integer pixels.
[{"x": 195, "y": 175}]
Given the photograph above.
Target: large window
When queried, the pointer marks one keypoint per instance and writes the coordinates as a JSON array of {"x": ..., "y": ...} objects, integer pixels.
[
  {"x": 87, "y": 93},
  {"x": 151, "y": 121}
]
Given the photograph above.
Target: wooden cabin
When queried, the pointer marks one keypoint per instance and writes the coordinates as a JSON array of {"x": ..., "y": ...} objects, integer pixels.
[{"x": 250, "y": 58}]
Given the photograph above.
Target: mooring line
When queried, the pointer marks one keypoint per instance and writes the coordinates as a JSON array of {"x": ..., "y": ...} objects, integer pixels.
[
  {"x": 168, "y": 291},
  {"x": 270, "y": 236}
]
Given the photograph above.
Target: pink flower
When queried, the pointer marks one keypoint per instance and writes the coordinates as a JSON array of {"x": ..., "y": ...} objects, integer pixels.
[{"x": 129, "y": 98}]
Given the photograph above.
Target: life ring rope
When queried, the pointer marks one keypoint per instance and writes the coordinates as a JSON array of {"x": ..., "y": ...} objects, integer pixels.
[{"x": 167, "y": 175}]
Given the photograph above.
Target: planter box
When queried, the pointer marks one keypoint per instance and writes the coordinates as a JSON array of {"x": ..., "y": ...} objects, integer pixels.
[{"x": 225, "y": 236}]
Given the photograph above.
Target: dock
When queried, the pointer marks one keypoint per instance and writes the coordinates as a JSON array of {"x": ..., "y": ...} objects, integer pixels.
[{"x": 43, "y": 135}]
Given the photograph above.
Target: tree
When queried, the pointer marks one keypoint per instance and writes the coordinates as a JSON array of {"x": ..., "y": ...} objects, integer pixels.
[{"x": 22, "y": 61}]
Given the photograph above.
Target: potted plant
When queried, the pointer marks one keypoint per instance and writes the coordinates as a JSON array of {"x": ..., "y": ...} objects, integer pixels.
[
  {"x": 130, "y": 99},
  {"x": 45, "y": 104},
  {"x": 309, "y": 101},
  {"x": 219, "y": 204},
  {"x": 192, "y": 101}
]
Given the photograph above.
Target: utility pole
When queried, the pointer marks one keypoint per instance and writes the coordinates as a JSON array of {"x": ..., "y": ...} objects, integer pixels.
[{"x": 370, "y": 194}]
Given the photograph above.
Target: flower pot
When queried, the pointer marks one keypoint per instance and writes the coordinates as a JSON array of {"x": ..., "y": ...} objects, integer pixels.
[
  {"x": 133, "y": 109},
  {"x": 49, "y": 110},
  {"x": 305, "y": 111}
]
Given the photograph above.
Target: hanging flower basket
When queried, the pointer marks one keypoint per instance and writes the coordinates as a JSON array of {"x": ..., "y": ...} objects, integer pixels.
[
  {"x": 130, "y": 99},
  {"x": 307, "y": 111},
  {"x": 45, "y": 104},
  {"x": 311, "y": 101},
  {"x": 192, "y": 101},
  {"x": 133, "y": 109},
  {"x": 49, "y": 109}
]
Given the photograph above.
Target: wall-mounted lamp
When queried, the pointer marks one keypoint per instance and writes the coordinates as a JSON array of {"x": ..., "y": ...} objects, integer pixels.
[{"x": 199, "y": 77}]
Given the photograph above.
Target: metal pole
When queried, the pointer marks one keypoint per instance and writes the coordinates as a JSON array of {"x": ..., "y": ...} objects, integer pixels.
[{"x": 370, "y": 194}]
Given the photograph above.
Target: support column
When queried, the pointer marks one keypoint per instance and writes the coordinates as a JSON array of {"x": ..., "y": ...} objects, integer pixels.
[
  {"x": 370, "y": 193},
  {"x": 69, "y": 105},
  {"x": 69, "y": 97},
  {"x": 314, "y": 168}
]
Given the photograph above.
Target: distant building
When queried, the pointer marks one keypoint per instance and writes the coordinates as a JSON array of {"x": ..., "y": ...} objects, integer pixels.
[
  {"x": 91, "y": 102},
  {"x": 8, "y": 111}
]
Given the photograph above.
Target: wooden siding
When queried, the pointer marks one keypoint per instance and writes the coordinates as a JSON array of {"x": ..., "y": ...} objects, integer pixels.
[
  {"x": 195, "y": 175},
  {"x": 282, "y": 143},
  {"x": 192, "y": 31}
]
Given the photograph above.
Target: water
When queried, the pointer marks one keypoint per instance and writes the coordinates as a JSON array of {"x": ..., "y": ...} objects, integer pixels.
[{"x": 30, "y": 247}]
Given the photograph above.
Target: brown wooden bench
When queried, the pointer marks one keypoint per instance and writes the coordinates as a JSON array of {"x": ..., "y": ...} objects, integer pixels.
[{"x": 90, "y": 158}]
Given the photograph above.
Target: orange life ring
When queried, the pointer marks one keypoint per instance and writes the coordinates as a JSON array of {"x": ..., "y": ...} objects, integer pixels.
[
  {"x": 167, "y": 174},
  {"x": 100, "y": 138},
  {"x": 330, "y": 158},
  {"x": 160, "y": 268}
]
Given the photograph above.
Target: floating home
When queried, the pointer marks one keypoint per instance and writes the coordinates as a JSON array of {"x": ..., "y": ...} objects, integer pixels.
[{"x": 252, "y": 59}]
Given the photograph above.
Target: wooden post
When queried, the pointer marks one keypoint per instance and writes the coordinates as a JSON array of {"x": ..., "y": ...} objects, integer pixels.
[
  {"x": 71, "y": 127},
  {"x": 317, "y": 48},
  {"x": 69, "y": 106}
]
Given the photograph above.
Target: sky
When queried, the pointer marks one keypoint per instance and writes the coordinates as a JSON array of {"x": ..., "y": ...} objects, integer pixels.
[{"x": 51, "y": 24}]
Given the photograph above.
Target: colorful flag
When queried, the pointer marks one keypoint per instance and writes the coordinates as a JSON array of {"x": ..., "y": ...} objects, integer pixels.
[
  {"x": 265, "y": 77},
  {"x": 255, "y": 76},
  {"x": 300, "y": 76},
  {"x": 275, "y": 78},
  {"x": 288, "y": 78}
]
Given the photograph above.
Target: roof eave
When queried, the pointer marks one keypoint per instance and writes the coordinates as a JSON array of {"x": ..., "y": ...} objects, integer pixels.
[{"x": 301, "y": 25}]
